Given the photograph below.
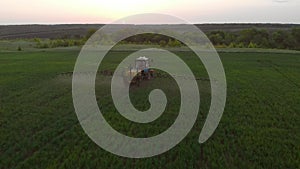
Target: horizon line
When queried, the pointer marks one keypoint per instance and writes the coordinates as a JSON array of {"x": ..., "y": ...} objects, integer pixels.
[{"x": 204, "y": 23}]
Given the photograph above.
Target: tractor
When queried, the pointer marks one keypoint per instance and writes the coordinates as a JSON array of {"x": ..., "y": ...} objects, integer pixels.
[{"x": 141, "y": 71}]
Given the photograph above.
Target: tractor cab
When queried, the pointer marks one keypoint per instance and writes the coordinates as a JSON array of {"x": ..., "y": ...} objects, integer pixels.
[
  {"x": 142, "y": 63},
  {"x": 141, "y": 71}
]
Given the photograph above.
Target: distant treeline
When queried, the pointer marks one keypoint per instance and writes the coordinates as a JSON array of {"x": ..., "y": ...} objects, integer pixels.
[
  {"x": 257, "y": 38},
  {"x": 64, "y": 41},
  {"x": 53, "y": 43},
  {"x": 247, "y": 38}
]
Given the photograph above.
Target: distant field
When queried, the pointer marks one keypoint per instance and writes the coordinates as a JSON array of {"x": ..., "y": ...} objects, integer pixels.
[
  {"x": 71, "y": 30},
  {"x": 259, "y": 128}
]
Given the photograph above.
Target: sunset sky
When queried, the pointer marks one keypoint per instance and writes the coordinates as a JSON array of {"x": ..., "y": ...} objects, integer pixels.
[{"x": 194, "y": 11}]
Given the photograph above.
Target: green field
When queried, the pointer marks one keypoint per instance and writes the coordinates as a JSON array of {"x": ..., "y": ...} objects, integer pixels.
[{"x": 259, "y": 128}]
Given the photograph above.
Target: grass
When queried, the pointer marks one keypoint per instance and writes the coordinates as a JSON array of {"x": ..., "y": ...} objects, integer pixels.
[{"x": 259, "y": 128}]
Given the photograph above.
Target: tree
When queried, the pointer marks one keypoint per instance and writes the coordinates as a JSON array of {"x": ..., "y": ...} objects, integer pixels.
[
  {"x": 245, "y": 36},
  {"x": 232, "y": 45},
  {"x": 252, "y": 45},
  {"x": 240, "y": 45},
  {"x": 283, "y": 40},
  {"x": 90, "y": 33},
  {"x": 229, "y": 38},
  {"x": 174, "y": 43},
  {"x": 216, "y": 39},
  {"x": 296, "y": 36},
  {"x": 162, "y": 43},
  {"x": 19, "y": 48}
]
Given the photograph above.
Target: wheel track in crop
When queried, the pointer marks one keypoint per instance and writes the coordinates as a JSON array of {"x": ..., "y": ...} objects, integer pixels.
[
  {"x": 276, "y": 68},
  {"x": 35, "y": 133},
  {"x": 59, "y": 135}
]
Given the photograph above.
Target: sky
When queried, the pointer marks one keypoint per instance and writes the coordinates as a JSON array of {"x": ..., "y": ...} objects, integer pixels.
[{"x": 107, "y": 11}]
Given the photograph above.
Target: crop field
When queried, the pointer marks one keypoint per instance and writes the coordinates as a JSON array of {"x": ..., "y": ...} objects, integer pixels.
[{"x": 259, "y": 128}]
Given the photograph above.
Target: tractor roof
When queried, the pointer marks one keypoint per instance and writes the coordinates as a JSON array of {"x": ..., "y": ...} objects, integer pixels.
[{"x": 142, "y": 58}]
